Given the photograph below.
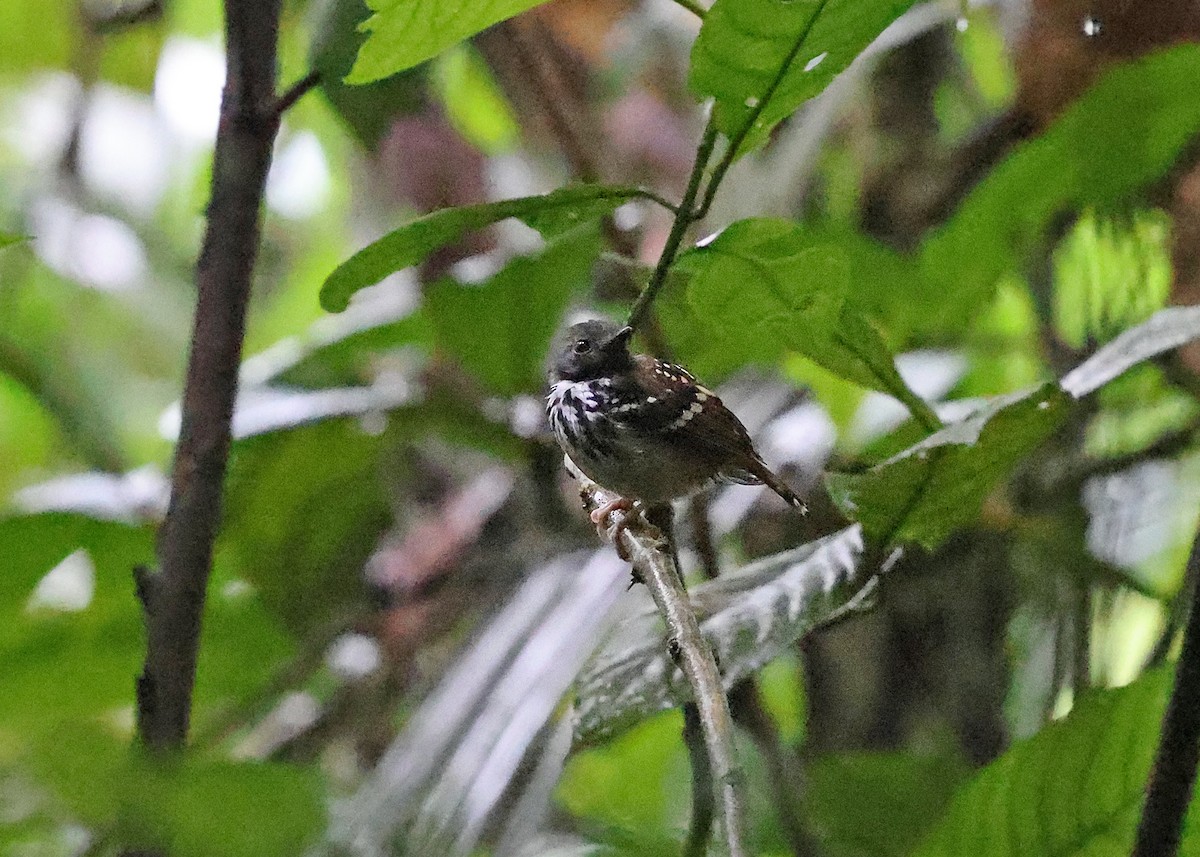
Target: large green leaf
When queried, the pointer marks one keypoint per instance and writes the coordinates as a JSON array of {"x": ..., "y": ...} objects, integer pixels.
[
  {"x": 65, "y": 664},
  {"x": 780, "y": 286},
  {"x": 407, "y": 32},
  {"x": 1075, "y": 788},
  {"x": 409, "y": 245},
  {"x": 186, "y": 806},
  {"x": 1125, "y": 132},
  {"x": 744, "y": 43},
  {"x": 93, "y": 652},
  {"x": 304, "y": 509},
  {"x": 932, "y": 488},
  {"x": 500, "y": 329},
  {"x": 879, "y": 804},
  {"x": 368, "y": 110}
]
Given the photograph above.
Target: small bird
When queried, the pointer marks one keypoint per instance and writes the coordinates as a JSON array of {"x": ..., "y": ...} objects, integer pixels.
[{"x": 643, "y": 428}]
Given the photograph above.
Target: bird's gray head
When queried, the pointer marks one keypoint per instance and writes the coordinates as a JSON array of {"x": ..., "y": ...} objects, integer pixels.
[{"x": 590, "y": 349}]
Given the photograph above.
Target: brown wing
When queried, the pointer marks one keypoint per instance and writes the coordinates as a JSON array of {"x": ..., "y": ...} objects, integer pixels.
[{"x": 673, "y": 404}]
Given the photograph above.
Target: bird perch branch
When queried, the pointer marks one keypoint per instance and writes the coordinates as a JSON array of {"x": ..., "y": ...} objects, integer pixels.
[{"x": 651, "y": 556}]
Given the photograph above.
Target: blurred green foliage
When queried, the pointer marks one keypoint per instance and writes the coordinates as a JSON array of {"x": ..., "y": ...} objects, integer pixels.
[{"x": 354, "y": 429}]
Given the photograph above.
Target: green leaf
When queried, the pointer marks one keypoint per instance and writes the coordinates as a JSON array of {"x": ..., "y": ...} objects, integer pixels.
[
  {"x": 744, "y": 43},
  {"x": 7, "y": 239},
  {"x": 500, "y": 329},
  {"x": 407, "y": 32},
  {"x": 778, "y": 285},
  {"x": 91, "y": 653},
  {"x": 368, "y": 110},
  {"x": 1075, "y": 788},
  {"x": 186, "y": 806},
  {"x": 750, "y": 617},
  {"x": 304, "y": 509},
  {"x": 94, "y": 651},
  {"x": 925, "y": 492},
  {"x": 930, "y": 489},
  {"x": 629, "y": 782},
  {"x": 1125, "y": 132},
  {"x": 474, "y": 103},
  {"x": 879, "y": 804},
  {"x": 414, "y": 242}
]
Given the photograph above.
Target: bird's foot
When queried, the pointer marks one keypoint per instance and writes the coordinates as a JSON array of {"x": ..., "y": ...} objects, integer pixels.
[{"x": 602, "y": 518}]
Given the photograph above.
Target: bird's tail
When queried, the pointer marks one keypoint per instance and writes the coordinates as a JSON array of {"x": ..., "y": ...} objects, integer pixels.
[{"x": 768, "y": 478}]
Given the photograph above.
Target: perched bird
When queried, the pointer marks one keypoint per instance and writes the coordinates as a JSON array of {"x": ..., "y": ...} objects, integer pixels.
[{"x": 642, "y": 428}]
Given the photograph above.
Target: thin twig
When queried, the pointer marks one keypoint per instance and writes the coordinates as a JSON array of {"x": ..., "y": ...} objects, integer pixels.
[
  {"x": 1081, "y": 629},
  {"x": 745, "y": 704},
  {"x": 173, "y": 598},
  {"x": 693, "y": 7},
  {"x": 650, "y": 555},
  {"x": 684, "y": 217},
  {"x": 296, "y": 91},
  {"x": 1173, "y": 776},
  {"x": 786, "y": 778},
  {"x": 747, "y": 125},
  {"x": 553, "y": 98},
  {"x": 703, "y": 806}
]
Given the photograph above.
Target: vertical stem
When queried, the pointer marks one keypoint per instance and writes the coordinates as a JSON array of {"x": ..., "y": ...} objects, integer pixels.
[
  {"x": 173, "y": 597},
  {"x": 684, "y": 217},
  {"x": 1174, "y": 773},
  {"x": 700, "y": 827}
]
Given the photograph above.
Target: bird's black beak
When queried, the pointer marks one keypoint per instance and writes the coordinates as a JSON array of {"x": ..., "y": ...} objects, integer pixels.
[{"x": 620, "y": 339}]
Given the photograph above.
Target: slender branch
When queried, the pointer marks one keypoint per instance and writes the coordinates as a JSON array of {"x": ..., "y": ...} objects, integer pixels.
[
  {"x": 786, "y": 777},
  {"x": 1173, "y": 776},
  {"x": 693, "y": 7},
  {"x": 1081, "y": 630},
  {"x": 123, "y": 17},
  {"x": 650, "y": 555},
  {"x": 684, "y": 217},
  {"x": 747, "y": 125},
  {"x": 174, "y": 597},
  {"x": 703, "y": 806},
  {"x": 745, "y": 704},
  {"x": 552, "y": 96},
  {"x": 296, "y": 91}
]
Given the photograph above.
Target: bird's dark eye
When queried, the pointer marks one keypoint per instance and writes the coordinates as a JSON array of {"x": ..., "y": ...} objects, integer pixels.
[{"x": 582, "y": 347}]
